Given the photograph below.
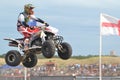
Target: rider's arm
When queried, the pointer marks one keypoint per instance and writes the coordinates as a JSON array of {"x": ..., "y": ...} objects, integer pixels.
[
  {"x": 39, "y": 20},
  {"x": 21, "y": 19},
  {"x": 24, "y": 23}
]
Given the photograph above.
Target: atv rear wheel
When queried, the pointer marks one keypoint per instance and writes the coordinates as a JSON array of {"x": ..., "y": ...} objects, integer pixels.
[
  {"x": 13, "y": 58},
  {"x": 30, "y": 60},
  {"x": 48, "y": 49},
  {"x": 65, "y": 51}
]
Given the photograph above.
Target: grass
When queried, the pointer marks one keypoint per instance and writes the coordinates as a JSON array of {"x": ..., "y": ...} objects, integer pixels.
[{"x": 92, "y": 60}]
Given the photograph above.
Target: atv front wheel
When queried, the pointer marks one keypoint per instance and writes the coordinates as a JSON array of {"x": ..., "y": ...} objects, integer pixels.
[
  {"x": 65, "y": 51},
  {"x": 48, "y": 49},
  {"x": 13, "y": 58},
  {"x": 30, "y": 60}
]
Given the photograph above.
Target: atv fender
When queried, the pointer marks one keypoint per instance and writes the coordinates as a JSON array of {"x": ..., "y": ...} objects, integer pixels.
[{"x": 11, "y": 40}]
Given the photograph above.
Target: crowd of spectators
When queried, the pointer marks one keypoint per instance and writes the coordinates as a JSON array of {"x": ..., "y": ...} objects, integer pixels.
[{"x": 68, "y": 70}]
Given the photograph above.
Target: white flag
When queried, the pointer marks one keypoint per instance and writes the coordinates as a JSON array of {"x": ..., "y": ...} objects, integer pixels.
[{"x": 109, "y": 25}]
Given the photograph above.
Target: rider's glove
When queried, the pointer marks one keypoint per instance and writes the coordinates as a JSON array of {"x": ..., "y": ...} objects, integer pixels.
[{"x": 46, "y": 24}]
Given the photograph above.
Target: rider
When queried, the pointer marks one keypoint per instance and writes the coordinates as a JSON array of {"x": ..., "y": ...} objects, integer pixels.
[{"x": 26, "y": 20}]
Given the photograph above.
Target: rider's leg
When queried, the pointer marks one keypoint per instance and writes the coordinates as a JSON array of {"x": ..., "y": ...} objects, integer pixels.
[
  {"x": 26, "y": 43},
  {"x": 26, "y": 35}
]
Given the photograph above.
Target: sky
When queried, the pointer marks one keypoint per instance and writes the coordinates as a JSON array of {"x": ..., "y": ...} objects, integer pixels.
[{"x": 78, "y": 22}]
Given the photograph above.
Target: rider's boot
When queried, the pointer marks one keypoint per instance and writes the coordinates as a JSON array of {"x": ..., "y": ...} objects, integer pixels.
[{"x": 26, "y": 44}]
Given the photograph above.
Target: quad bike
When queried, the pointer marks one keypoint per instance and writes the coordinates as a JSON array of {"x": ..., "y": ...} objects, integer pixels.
[{"x": 44, "y": 41}]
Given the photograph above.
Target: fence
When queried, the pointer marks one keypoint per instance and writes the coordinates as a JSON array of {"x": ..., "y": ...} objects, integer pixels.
[
  {"x": 39, "y": 78},
  {"x": 97, "y": 78},
  {"x": 58, "y": 78}
]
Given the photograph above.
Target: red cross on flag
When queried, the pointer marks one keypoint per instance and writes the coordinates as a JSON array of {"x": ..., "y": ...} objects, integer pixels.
[{"x": 109, "y": 25}]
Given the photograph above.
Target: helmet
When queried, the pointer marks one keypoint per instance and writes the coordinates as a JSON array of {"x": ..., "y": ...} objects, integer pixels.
[{"x": 27, "y": 7}]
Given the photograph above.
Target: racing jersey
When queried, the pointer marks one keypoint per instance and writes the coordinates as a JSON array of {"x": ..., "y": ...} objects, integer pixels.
[{"x": 28, "y": 20}]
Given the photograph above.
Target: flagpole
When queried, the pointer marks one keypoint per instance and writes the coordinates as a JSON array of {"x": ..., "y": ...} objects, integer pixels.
[
  {"x": 25, "y": 73},
  {"x": 100, "y": 51}
]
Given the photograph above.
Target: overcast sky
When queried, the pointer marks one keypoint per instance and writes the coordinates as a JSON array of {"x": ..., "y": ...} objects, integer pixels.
[{"x": 77, "y": 20}]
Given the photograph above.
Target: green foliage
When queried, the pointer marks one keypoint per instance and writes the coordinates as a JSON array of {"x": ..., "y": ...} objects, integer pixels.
[
  {"x": 1, "y": 56},
  {"x": 74, "y": 57},
  {"x": 84, "y": 57}
]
